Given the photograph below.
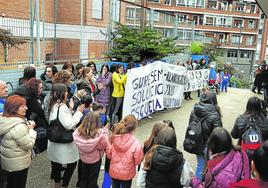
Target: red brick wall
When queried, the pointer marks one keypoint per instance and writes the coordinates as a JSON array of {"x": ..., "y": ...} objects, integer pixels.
[
  {"x": 97, "y": 49},
  {"x": 68, "y": 49}
]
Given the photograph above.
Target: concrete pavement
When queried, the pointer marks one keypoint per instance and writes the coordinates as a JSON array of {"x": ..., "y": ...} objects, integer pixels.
[{"x": 232, "y": 104}]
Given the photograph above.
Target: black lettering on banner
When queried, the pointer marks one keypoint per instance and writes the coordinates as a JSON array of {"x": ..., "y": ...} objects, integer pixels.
[
  {"x": 171, "y": 102},
  {"x": 176, "y": 78},
  {"x": 146, "y": 109}
]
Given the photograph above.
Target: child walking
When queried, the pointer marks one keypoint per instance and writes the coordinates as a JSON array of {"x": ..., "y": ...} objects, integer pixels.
[
  {"x": 91, "y": 141},
  {"x": 125, "y": 152},
  {"x": 225, "y": 81}
]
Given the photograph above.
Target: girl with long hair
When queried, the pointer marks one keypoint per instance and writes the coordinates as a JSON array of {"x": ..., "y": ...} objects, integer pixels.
[
  {"x": 91, "y": 141},
  {"x": 164, "y": 165},
  {"x": 62, "y": 153},
  {"x": 125, "y": 152},
  {"x": 226, "y": 164}
]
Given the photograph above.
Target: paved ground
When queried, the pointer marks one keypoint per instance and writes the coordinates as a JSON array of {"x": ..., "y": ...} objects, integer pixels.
[{"x": 232, "y": 104}]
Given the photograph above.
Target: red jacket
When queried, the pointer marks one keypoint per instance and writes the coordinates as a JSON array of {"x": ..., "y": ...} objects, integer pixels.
[
  {"x": 125, "y": 153},
  {"x": 250, "y": 183}
]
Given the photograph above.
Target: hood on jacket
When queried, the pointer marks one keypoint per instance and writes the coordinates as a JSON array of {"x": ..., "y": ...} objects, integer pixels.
[
  {"x": 123, "y": 142},
  {"x": 203, "y": 109},
  {"x": 87, "y": 145},
  {"x": 166, "y": 159},
  {"x": 7, "y": 123}
]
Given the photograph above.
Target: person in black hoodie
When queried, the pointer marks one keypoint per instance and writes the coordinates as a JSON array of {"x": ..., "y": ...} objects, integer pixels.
[
  {"x": 164, "y": 165},
  {"x": 208, "y": 110}
]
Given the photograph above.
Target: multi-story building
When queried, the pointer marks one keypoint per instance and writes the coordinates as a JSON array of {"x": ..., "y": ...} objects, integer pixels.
[
  {"x": 69, "y": 29},
  {"x": 234, "y": 23}
]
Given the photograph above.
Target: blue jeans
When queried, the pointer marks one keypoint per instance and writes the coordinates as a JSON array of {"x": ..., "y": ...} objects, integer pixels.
[{"x": 200, "y": 166}]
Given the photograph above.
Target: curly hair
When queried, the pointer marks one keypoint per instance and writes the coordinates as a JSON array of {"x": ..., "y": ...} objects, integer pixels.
[
  {"x": 62, "y": 77},
  {"x": 68, "y": 65},
  {"x": 32, "y": 86}
]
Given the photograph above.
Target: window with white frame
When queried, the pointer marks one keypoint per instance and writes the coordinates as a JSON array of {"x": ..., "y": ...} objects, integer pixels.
[
  {"x": 249, "y": 40},
  {"x": 155, "y": 16},
  {"x": 155, "y": 1},
  {"x": 97, "y": 6},
  {"x": 167, "y": 2},
  {"x": 245, "y": 54},
  {"x": 240, "y": 6},
  {"x": 181, "y": 2},
  {"x": 232, "y": 53},
  {"x": 252, "y": 8},
  {"x": 236, "y": 39},
  {"x": 182, "y": 18},
  {"x": 210, "y": 20},
  {"x": 167, "y": 18},
  {"x": 251, "y": 24},
  {"x": 130, "y": 13},
  {"x": 166, "y": 33},
  {"x": 200, "y": 3}
]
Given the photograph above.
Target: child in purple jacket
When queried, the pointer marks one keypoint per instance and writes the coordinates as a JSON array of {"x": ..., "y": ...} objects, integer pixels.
[{"x": 226, "y": 164}]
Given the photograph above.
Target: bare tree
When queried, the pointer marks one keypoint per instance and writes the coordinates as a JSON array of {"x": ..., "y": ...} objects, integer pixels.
[{"x": 7, "y": 40}]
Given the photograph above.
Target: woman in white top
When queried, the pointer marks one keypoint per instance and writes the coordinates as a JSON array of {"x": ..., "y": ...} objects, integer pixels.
[{"x": 62, "y": 153}]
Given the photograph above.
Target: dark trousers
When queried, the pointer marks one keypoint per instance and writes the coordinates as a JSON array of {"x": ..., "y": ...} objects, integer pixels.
[
  {"x": 123, "y": 184},
  {"x": 79, "y": 170},
  {"x": 187, "y": 95},
  {"x": 3, "y": 178},
  {"x": 56, "y": 173},
  {"x": 17, "y": 179},
  {"x": 90, "y": 174}
]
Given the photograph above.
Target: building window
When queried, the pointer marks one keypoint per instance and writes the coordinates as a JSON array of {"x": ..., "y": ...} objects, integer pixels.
[
  {"x": 239, "y": 7},
  {"x": 252, "y": 8},
  {"x": 260, "y": 31},
  {"x": 210, "y": 20},
  {"x": 130, "y": 13},
  {"x": 238, "y": 23},
  {"x": 249, "y": 40},
  {"x": 200, "y": 3},
  {"x": 167, "y": 18},
  {"x": 156, "y": 15},
  {"x": 232, "y": 53},
  {"x": 167, "y": 2},
  {"x": 236, "y": 39},
  {"x": 251, "y": 24},
  {"x": 49, "y": 57},
  {"x": 166, "y": 33},
  {"x": 155, "y": 1},
  {"x": 212, "y": 4},
  {"x": 97, "y": 9},
  {"x": 181, "y": 2},
  {"x": 220, "y": 21},
  {"x": 182, "y": 18},
  {"x": 245, "y": 54}
]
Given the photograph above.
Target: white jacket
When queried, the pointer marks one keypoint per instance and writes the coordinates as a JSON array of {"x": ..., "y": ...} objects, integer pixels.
[
  {"x": 64, "y": 153},
  {"x": 17, "y": 143}
]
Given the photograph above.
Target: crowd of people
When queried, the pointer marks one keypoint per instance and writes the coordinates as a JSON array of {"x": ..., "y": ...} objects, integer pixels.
[{"x": 76, "y": 115}]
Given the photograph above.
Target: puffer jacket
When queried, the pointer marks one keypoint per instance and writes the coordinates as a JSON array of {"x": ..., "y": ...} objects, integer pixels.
[
  {"x": 104, "y": 97},
  {"x": 233, "y": 168},
  {"x": 91, "y": 150},
  {"x": 166, "y": 167},
  {"x": 213, "y": 119},
  {"x": 17, "y": 143},
  {"x": 125, "y": 153},
  {"x": 119, "y": 82},
  {"x": 241, "y": 123}
]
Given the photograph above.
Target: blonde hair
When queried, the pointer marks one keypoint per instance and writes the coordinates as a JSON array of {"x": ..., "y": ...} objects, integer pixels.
[{"x": 90, "y": 125}]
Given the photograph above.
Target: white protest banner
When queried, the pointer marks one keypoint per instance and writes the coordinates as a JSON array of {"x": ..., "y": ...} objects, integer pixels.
[
  {"x": 153, "y": 87},
  {"x": 144, "y": 90},
  {"x": 196, "y": 80},
  {"x": 174, "y": 81}
]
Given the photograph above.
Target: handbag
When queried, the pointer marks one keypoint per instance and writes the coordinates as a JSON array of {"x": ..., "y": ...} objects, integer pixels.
[{"x": 57, "y": 133}]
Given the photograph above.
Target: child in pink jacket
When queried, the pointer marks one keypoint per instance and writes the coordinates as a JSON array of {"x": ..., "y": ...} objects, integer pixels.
[
  {"x": 125, "y": 152},
  {"x": 91, "y": 142}
]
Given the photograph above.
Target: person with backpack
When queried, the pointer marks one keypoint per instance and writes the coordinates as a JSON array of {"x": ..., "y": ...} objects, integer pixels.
[
  {"x": 226, "y": 164},
  {"x": 252, "y": 122},
  {"x": 164, "y": 165},
  {"x": 259, "y": 167},
  {"x": 205, "y": 116}
]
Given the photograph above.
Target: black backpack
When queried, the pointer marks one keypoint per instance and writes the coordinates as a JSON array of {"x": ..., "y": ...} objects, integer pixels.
[
  {"x": 194, "y": 140},
  {"x": 251, "y": 138}
]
